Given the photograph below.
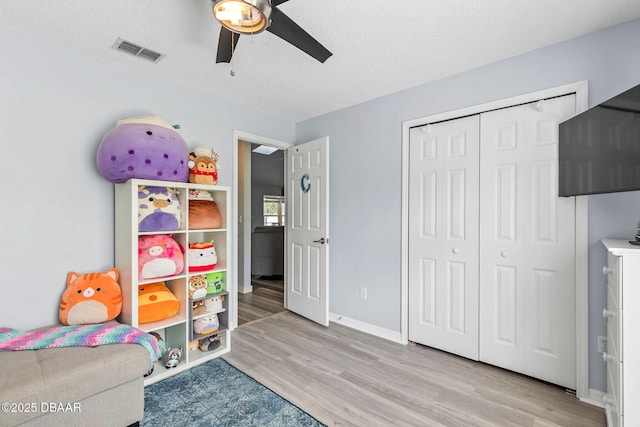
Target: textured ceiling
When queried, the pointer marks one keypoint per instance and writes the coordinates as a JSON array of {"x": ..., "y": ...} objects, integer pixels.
[{"x": 379, "y": 47}]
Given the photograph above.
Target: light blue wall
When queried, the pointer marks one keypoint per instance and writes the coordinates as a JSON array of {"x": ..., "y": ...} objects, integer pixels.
[
  {"x": 56, "y": 104},
  {"x": 365, "y": 169}
]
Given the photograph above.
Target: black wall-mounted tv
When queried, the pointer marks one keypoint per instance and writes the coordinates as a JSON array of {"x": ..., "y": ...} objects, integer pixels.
[{"x": 599, "y": 149}]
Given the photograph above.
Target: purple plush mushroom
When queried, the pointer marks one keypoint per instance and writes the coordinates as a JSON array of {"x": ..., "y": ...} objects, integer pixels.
[{"x": 145, "y": 147}]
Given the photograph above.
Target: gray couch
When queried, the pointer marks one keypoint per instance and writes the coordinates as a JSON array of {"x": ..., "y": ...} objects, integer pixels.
[
  {"x": 74, "y": 386},
  {"x": 267, "y": 251}
]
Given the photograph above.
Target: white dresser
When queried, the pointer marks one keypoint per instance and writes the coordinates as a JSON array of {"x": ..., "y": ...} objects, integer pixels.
[{"x": 622, "y": 400}]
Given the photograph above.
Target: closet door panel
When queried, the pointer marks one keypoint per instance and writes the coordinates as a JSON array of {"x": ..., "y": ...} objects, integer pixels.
[
  {"x": 504, "y": 295},
  {"x": 426, "y": 287},
  {"x": 456, "y": 204},
  {"x": 506, "y": 328},
  {"x": 428, "y": 200},
  {"x": 456, "y": 289},
  {"x": 546, "y": 204},
  {"x": 443, "y": 241},
  {"x": 425, "y": 224},
  {"x": 550, "y": 350},
  {"x": 527, "y": 228},
  {"x": 501, "y": 199},
  {"x": 504, "y": 223}
]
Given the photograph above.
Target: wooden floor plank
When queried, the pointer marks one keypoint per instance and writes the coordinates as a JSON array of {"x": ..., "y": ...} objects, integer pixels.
[
  {"x": 266, "y": 299},
  {"x": 345, "y": 377}
]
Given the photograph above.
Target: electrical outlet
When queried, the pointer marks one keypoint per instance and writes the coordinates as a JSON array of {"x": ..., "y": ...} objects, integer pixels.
[
  {"x": 602, "y": 344},
  {"x": 363, "y": 294}
]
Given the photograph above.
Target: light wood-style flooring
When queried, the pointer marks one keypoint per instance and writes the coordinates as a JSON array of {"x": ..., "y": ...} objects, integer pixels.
[
  {"x": 344, "y": 377},
  {"x": 266, "y": 300}
]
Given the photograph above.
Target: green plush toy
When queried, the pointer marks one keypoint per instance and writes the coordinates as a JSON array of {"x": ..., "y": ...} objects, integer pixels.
[{"x": 215, "y": 282}]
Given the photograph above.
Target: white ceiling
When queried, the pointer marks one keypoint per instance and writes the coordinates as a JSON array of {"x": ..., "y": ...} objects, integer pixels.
[{"x": 379, "y": 47}]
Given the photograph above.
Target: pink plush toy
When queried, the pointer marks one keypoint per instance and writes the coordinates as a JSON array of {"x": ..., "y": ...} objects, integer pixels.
[{"x": 159, "y": 256}]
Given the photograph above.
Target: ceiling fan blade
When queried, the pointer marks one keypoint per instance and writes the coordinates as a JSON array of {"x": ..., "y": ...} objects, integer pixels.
[
  {"x": 275, "y": 3},
  {"x": 226, "y": 45},
  {"x": 284, "y": 27}
]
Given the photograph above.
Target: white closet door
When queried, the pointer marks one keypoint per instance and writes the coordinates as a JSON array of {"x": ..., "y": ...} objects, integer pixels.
[
  {"x": 527, "y": 244},
  {"x": 443, "y": 241}
]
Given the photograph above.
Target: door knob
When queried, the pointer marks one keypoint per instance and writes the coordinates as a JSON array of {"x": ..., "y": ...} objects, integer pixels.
[
  {"x": 607, "y": 270},
  {"x": 606, "y": 313},
  {"x": 321, "y": 241},
  {"x": 504, "y": 254},
  {"x": 455, "y": 250},
  {"x": 607, "y": 357}
]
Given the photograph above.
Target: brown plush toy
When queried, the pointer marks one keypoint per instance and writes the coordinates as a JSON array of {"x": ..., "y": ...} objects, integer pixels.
[
  {"x": 203, "y": 166},
  {"x": 197, "y": 286}
]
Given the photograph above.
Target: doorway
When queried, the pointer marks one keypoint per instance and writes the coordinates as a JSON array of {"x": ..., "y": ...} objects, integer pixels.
[
  {"x": 259, "y": 185},
  {"x": 266, "y": 214}
]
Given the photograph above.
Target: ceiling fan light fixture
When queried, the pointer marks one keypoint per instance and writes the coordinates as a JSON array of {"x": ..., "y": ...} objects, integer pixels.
[{"x": 243, "y": 16}]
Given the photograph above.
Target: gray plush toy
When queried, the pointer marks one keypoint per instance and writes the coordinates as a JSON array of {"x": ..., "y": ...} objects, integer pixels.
[
  {"x": 210, "y": 343},
  {"x": 172, "y": 357}
]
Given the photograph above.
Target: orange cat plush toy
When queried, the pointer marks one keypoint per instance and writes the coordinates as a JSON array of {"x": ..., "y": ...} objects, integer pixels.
[{"x": 91, "y": 298}]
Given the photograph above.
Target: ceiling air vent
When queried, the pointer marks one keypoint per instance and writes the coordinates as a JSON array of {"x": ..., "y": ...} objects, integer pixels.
[{"x": 136, "y": 50}]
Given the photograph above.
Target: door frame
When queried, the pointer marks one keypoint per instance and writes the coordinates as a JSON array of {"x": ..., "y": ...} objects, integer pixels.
[
  {"x": 581, "y": 245},
  {"x": 238, "y": 138}
]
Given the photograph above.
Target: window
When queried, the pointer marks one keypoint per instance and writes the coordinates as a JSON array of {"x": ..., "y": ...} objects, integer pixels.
[{"x": 273, "y": 210}]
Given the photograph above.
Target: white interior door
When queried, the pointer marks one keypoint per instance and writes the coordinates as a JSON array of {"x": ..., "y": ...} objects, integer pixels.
[
  {"x": 527, "y": 244},
  {"x": 443, "y": 236},
  {"x": 307, "y": 224}
]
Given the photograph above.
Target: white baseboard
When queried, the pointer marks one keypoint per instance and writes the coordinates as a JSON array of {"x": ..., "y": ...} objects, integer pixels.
[
  {"x": 594, "y": 398},
  {"x": 368, "y": 328},
  {"x": 245, "y": 289}
]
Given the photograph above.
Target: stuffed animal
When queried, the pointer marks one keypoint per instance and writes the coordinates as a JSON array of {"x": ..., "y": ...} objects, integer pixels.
[
  {"x": 144, "y": 147},
  {"x": 203, "y": 166},
  {"x": 206, "y": 325},
  {"x": 214, "y": 304},
  {"x": 210, "y": 343},
  {"x": 202, "y": 256},
  {"x": 198, "y": 308},
  {"x": 156, "y": 302},
  {"x": 203, "y": 211},
  {"x": 91, "y": 298},
  {"x": 158, "y": 209},
  {"x": 158, "y": 256},
  {"x": 215, "y": 282},
  {"x": 172, "y": 357},
  {"x": 197, "y": 287}
]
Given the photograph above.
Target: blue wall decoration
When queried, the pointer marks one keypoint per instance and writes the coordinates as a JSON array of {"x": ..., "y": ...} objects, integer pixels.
[{"x": 307, "y": 187}]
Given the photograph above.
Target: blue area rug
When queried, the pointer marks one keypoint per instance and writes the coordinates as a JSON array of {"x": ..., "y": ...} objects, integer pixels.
[{"x": 217, "y": 394}]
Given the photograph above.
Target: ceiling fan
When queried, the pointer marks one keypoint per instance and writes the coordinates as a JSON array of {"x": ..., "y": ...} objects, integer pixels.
[{"x": 254, "y": 16}]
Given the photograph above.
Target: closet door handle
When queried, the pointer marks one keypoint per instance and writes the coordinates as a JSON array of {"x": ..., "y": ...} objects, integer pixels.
[
  {"x": 455, "y": 250},
  {"x": 504, "y": 254},
  {"x": 606, "y": 270}
]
